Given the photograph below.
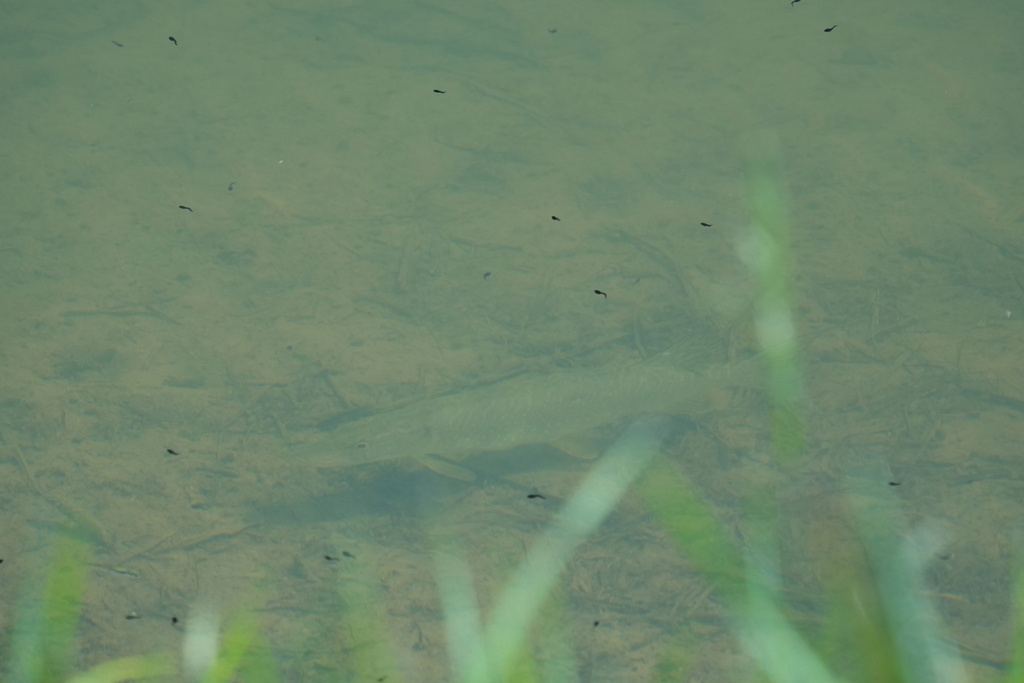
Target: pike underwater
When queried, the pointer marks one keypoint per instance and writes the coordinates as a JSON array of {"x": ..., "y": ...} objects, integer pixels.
[{"x": 557, "y": 408}]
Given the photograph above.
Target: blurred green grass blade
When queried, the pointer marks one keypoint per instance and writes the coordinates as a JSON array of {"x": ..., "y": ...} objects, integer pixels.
[
  {"x": 899, "y": 566},
  {"x": 691, "y": 525},
  {"x": 44, "y": 634},
  {"x": 506, "y": 632},
  {"x": 128, "y": 668},
  {"x": 548, "y": 656},
  {"x": 766, "y": 250},
  {"x": 1015, "y": 674},
  {"x": 461, "y": 610},
  {"x": 555, "y": 653},
  {"x": 779, "y": 649},
  {"x": 242, "y": 651},
  {"x": 371, "y": 654}
]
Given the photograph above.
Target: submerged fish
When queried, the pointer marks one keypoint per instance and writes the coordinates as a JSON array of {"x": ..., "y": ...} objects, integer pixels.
[{"x": 532, "y": 408}]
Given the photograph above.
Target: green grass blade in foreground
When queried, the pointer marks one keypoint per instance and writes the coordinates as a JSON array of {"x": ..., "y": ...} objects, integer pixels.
[
  {"x": 242, "y": 654},
  {"x": 908, "y": 632},
  {"x": 766, "y": 250},
  {"x": 691, "y": 525},
  {"x": 1016, "y": 669},
  {"x": 898, "y": 565},
  {"x": 365, "y": 646},
  {"x": 128, "y": 668},
  {"x": 47, "y": 621},
  {"x": 464, "y": 632},
  {"x": 461, "y": 609},
  {"x": 506, "y": 632},
  {"x": 779, "y": 649}
]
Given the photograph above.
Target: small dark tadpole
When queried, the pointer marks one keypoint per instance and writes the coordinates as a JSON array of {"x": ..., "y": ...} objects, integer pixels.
[
  {"x": 706, "y": 225},
  {"x": 598, "y": 291},
  {"x": 117, "y": 43},
  {"x": 596, "y": 624},
  {"x": 555, "y": 218},
  {"x": 348, "y": 554},
  {"x": 536, "y": 495},
  {"x": 187, "y": 208},
  {"x": 794, "y": 2},
  {"x": 231, "y": 186},
  {"x": 829, "y": 30},
  {"x": 171, "y": 38},
  {"x": 552, "y": 30},
  {"x": 132, "y": 615},
  {"x": 487, "y": 274},
  {"x": 330, "y": 558},
  {"x": 895, "y": 483},
  {"x": 171, "y": 451},
  {"x": 440, "y": 92}
]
